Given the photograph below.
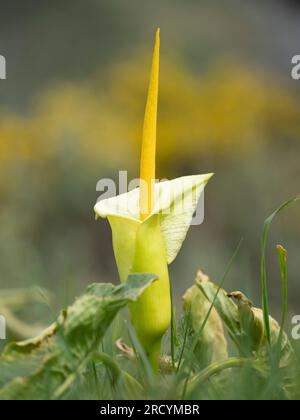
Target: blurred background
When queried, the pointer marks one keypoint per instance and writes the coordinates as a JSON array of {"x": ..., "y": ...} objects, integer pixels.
[{"x": 72, "y": 112}]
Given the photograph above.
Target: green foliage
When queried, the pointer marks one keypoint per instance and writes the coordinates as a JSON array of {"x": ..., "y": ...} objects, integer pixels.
[
  {"x": 81, "y": 355},
  {"x": 264, "y": 242},
  {"x": 211, "y": 344},
  {"x": 59, "y": 356}
]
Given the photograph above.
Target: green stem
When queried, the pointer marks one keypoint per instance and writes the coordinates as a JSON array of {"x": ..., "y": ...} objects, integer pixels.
[
  {"x": 214, "y": 369},
  {"x": 131, "y": 384},
  {"x": 153, "y": 354},
  {"x": 109, "y": 362}
]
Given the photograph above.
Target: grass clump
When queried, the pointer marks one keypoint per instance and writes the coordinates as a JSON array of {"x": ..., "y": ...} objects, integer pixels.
[{"x": 221, "y": 347}]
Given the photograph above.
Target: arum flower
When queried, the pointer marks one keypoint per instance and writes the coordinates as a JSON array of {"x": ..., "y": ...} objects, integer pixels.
[{"x": 149, "y": 225}]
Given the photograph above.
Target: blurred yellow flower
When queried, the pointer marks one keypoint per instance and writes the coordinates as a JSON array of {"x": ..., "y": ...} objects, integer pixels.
[{"x": 227, "y": 110}]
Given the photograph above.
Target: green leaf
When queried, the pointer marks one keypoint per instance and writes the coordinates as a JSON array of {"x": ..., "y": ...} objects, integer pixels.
[
  {"x": 225, "y": 307},
  {"x": 67, "y": 347},
  {"x": 212, "y": 345},
  {"x": 245, "y": 323},
  {"x": 21, "y": 366}
]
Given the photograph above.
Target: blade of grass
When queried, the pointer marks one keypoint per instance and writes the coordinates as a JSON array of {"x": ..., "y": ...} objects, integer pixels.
[
  {"x": 108, "y": 376},
  {"x": 110, "y": 363},
  {"x": 141, "y": 355},
  {"x": 282, "y": 259},
  {"x": 96, "y": 379},
  {"x": 174, "y": 338},
  {"x": 264, "y": 243},
  {"x": 187, "y": 324}
]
